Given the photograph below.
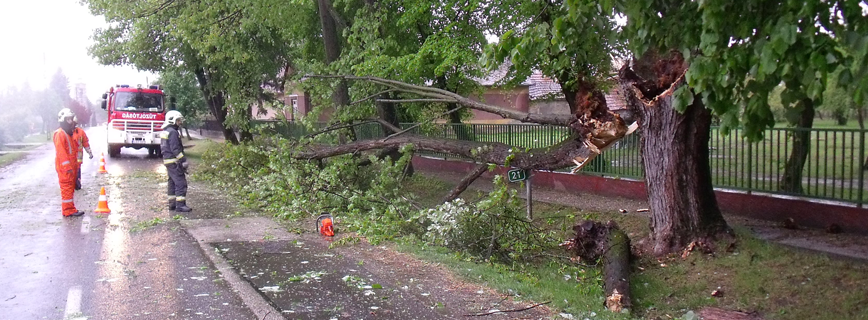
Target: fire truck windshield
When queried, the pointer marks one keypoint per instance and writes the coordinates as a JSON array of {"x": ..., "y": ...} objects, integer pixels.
[{"x": 139, "y": 102}]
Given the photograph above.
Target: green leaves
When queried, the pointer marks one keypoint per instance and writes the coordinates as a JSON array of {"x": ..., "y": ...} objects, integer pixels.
[
  {"x": 743, "y": 50},
  {"x": 682, "y": 98}
]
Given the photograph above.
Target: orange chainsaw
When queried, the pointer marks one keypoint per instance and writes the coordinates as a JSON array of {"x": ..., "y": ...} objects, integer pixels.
[{"x": 324, "y": 224}]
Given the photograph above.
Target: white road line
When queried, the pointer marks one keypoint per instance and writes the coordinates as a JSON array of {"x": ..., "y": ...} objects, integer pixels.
[
  {"x": 73, "y": 303},
  {"x": 85, "y": 225}
]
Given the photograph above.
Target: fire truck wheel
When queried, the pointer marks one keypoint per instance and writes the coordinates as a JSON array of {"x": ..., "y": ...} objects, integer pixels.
[
  {"x": 154, "y": 151},
  {"x": 114, "y": 150}
]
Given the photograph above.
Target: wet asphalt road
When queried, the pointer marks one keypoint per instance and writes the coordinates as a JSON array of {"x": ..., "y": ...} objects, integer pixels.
[{"x": 99, "y": 267}]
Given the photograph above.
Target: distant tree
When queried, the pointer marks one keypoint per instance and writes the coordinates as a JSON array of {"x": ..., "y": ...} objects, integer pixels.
[
  {"x": 837, "y": 102},
  {"x": 81, "y": 111},
  {"x": 52, "y": 100},
  {"x": 182, "y": 86}
]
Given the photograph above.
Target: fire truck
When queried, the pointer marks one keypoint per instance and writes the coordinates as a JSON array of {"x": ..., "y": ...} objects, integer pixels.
[{"x": 135, "y": 116}]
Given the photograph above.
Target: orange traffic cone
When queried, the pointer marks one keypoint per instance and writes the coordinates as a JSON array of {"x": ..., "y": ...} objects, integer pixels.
[
  {"x": 102, "y": 163},
  {"x": 102, "y": 206}
]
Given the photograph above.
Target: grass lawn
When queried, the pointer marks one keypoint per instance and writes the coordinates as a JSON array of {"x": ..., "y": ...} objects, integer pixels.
[
  {"x": 777, "y": 281},
  {"x": 9, "y": 158}
]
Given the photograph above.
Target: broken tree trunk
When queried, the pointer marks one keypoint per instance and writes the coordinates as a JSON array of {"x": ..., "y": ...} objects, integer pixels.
[
  {"x": 675, "y": 156},
  {"x": 595, "y": 241}
]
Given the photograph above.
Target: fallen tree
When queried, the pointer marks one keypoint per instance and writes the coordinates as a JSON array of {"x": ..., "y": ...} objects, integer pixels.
[{"x": 593, "y": 127}]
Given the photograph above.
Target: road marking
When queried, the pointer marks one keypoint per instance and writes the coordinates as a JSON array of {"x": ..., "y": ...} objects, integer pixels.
[
  {"x": 85, "y": 225},
  {"x": 73, "y": 303}
]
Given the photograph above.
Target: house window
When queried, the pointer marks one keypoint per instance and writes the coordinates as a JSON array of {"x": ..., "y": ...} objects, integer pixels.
[{"x": 293, "y": 102}]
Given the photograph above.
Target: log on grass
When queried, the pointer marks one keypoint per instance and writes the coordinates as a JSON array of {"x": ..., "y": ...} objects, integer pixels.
[
  {"x": 595, "y": 241},
  {"x": 616, "y": 271}
]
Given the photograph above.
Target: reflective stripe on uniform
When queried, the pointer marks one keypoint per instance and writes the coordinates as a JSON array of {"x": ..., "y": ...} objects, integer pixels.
[
  {"x": 168, "y": 161},
  {"x": 171, "y": 197},
  {"x": 64, "y": 163},
  {"x": 181, "y": 198},
  {"x": 164, "y": 135},
  {"x": 180, "y": 155},
  {"x": 67, "y": 201}
]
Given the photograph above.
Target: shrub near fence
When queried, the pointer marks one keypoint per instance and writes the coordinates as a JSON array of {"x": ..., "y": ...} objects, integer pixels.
[{"x": 832, "y": 171}]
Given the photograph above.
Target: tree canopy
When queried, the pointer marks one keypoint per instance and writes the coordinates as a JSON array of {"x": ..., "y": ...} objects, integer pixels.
[{"x": 740, "y": 51}]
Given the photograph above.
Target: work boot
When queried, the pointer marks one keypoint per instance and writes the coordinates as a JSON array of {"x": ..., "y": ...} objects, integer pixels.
[
  {"x": 172, "y": 205},
  {"x": 77, "y": 214},
  {"x": 77, "y": 184},
  {"x": 181, "y": 206}
]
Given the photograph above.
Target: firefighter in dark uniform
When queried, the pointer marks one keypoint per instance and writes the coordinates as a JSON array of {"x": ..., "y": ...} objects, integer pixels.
[{"x": 176, "y": 164}]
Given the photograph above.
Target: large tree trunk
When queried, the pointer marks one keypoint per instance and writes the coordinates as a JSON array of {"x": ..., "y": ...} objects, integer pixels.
[
  {"x": 246, "y": 135},
  {"x": 332, "y": 45},
  {"x": 675, "y": 155},
  {"x": 792, "y": 178},
  {"x": 388, "y": 113},
  {"x": 216, "y": 104}
]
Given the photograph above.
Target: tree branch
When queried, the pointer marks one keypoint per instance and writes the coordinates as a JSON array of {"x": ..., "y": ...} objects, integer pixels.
[
  {"x": 371, "y": 96},
  {"x": 551, "y": 158},
  {"x": 505, "y": 311},
  {"x": 435, "y": 93},
  {"x": 337, "y": 127},
  {"x": 399, "y": 132},
  {"x": 415, "y": 100},
  {"x": 466, "y": 181}
]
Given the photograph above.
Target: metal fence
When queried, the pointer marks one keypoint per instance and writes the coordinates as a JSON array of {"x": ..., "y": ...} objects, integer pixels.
[{"x": 833, "y": 169}]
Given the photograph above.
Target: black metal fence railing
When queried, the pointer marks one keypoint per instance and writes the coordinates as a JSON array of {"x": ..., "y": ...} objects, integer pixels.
[{"x": 832, "y": 170}]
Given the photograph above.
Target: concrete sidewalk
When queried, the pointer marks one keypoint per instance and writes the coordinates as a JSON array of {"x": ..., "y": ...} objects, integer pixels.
[{"x": 292, "y": 275}]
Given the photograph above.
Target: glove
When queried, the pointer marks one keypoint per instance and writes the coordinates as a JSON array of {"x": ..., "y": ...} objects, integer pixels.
[{"x": 185, "y": 165}]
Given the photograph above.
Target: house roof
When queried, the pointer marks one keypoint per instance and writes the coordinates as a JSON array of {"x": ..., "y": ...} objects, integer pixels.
[
  {"x": 545, "y": 88},
  {"x": 495, "y": 77}
]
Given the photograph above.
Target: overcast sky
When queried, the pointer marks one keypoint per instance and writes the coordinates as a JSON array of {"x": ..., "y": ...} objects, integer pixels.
[{"x": 39, "y": 36}]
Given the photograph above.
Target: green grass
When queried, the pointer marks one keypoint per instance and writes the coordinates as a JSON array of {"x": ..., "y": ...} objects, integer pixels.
[
  {"x": 10, "y": 158},
  {"x": 777, "y": 281},
  {"x": 37, "y": 138},
  {"x": 7, "y": 159},
  {"x": 199, "y": 148}
]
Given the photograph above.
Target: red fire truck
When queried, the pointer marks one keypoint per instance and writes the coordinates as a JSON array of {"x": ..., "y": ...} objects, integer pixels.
[{"x": 134, "y": 118}]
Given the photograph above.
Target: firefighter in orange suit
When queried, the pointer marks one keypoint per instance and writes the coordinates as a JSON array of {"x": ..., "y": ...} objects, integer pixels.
[
  {"x": 83, "y": 144},
  {"x": 65, "y": 159}
]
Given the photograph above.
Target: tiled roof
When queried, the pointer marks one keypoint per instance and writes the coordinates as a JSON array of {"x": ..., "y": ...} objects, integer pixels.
[
  {"x": 496, "y": 76},
  {"x": 545, "y": 88},
  {"x": 615, "y": 100}
]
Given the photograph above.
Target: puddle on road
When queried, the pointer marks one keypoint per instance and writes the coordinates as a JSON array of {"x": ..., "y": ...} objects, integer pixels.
[{"x": 304, "y": 281}]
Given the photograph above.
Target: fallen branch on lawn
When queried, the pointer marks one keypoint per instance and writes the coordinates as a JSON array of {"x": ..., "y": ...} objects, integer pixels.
[{"x": 505, "y": 311}]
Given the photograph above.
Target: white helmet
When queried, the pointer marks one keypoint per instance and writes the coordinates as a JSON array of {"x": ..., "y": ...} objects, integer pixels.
[
  {"x": 172, "y": 117},
  {"x": 65, "y": 114}
]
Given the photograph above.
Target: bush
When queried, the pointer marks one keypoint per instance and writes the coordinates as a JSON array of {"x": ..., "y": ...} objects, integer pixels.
[{"x": 492, "y": 229}]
